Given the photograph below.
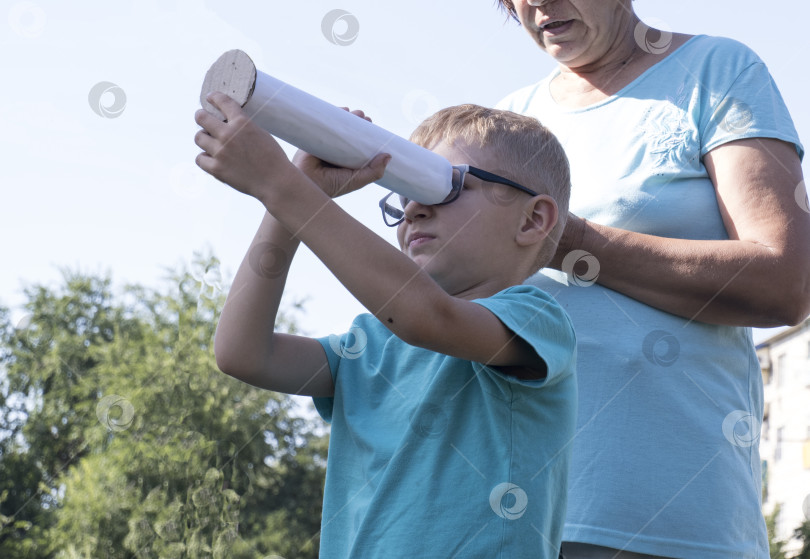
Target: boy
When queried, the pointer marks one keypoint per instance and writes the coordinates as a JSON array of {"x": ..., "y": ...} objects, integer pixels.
[{"x": 453, "y": 403}]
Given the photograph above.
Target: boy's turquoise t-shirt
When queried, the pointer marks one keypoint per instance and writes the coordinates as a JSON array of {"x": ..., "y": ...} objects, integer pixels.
[
  {"x": 666, "y": 458},
  {"x": 431, "y": 456}
]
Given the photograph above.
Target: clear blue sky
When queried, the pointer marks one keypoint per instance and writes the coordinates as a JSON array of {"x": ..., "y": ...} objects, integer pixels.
[{"x": 122, "y": 195}]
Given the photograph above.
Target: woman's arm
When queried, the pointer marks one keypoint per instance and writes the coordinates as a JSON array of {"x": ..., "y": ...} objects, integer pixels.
[{"x": 760, "y": 277}]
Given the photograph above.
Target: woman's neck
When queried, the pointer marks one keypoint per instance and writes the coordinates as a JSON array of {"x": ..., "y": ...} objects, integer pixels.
[{"x": 586, "y": 84}]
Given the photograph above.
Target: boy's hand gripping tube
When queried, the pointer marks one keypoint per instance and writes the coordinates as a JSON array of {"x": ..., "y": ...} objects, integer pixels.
[{"x": 326, "y": 131}]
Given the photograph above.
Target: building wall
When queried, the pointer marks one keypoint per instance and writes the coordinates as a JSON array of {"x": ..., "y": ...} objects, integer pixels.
[{"x": 785, "y": 435}]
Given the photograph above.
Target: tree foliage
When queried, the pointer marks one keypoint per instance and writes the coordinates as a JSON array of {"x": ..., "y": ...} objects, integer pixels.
[
  {"x": 802, "y": 533},
  {"x": 120, "y": 438},
  {"x": 778, "y": 546}
]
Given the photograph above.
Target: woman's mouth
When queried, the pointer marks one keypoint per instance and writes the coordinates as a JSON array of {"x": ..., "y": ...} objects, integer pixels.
[{"x": 556, "y": 27}]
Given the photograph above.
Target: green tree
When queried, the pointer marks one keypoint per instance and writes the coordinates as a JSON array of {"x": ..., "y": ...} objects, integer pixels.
[
  {"x": 802, "y": 533},
  {"x": 120, "y": 438},
  {"x": 776, "y": 545}
]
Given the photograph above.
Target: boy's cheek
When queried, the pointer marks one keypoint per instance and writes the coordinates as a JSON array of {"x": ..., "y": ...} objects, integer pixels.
[{"x": 401, "y": 236}]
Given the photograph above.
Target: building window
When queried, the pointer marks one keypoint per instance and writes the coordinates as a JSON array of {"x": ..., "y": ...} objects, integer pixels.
[
  {"x": 777, "y": 452},
  {"x": 781, "y": 369},
  {"x": 764, "y": 481}
]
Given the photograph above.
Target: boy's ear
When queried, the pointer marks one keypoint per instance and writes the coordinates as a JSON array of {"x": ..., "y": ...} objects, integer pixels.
[{"x": 538, "y": 218}]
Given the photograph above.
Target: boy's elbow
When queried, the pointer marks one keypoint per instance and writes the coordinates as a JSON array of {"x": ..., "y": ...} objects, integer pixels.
[
  {"x": 227, "y": 358},
  {"x": 225, "y": 361}
]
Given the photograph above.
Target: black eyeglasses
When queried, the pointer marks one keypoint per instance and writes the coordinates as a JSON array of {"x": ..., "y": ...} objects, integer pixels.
[{"x": 393, "y": 205}]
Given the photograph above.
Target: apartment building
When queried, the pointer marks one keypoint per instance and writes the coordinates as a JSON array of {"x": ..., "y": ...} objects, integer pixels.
[{"x": 785, "y": 435}]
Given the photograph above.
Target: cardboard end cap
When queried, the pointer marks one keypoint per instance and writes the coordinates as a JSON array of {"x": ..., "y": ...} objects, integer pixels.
[{"x": 234, "y": 74}]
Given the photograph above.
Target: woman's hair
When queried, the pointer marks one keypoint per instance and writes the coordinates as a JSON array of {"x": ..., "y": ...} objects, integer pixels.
[
  {"x": 527, "y": 151},
  {"x": 509, "y": 8}
]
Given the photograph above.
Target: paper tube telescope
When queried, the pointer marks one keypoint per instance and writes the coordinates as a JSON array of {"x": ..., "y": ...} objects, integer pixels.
[{"x": 326, "y": 131}]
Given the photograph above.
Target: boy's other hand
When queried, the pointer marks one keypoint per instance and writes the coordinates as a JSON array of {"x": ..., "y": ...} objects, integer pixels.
[
  {"x": 336, "y": 181},
  {"x": 237, "y": 151}
]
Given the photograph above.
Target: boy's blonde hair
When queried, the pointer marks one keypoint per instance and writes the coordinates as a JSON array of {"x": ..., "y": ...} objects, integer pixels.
[{"x": 529, "y": 154}]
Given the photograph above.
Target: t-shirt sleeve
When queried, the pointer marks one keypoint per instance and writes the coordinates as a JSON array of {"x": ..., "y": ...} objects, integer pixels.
[
  {"x": 345, "y": 351},
  {"x": 325, "y": 405},
  {"x": 536, "y": 317},
  {"x": 350, "y": 345},
  {"x": 752, "y": 107}
]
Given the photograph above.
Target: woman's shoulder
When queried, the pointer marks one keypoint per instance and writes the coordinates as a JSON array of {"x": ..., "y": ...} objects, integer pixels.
[{"x": 713, "y": 47}]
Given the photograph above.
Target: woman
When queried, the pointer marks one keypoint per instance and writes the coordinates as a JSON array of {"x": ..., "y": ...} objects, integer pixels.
[{"x": 685, "y": 233}]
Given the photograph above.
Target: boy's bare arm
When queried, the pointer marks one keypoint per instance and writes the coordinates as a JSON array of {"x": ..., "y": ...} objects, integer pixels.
[
  {"x": 246, "y": 345},
  {"x": 394, "y": 288},
  {"x": 387, "y": 282}
]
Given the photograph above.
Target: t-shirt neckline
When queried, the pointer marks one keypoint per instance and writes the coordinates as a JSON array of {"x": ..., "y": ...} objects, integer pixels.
[{"x": 619, "y": 94}]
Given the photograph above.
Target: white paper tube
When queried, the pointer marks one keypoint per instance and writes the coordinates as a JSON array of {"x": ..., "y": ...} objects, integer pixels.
[{"x": 327, "y": 131}]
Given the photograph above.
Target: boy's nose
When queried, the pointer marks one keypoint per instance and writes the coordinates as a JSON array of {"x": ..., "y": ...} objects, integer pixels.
[{"x": 415, "y": 210}]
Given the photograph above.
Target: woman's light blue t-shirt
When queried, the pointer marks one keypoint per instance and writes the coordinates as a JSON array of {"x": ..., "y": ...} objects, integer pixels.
[
  {"x": 434, "y": 457},
  {"x": 666, "y": 457}
]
